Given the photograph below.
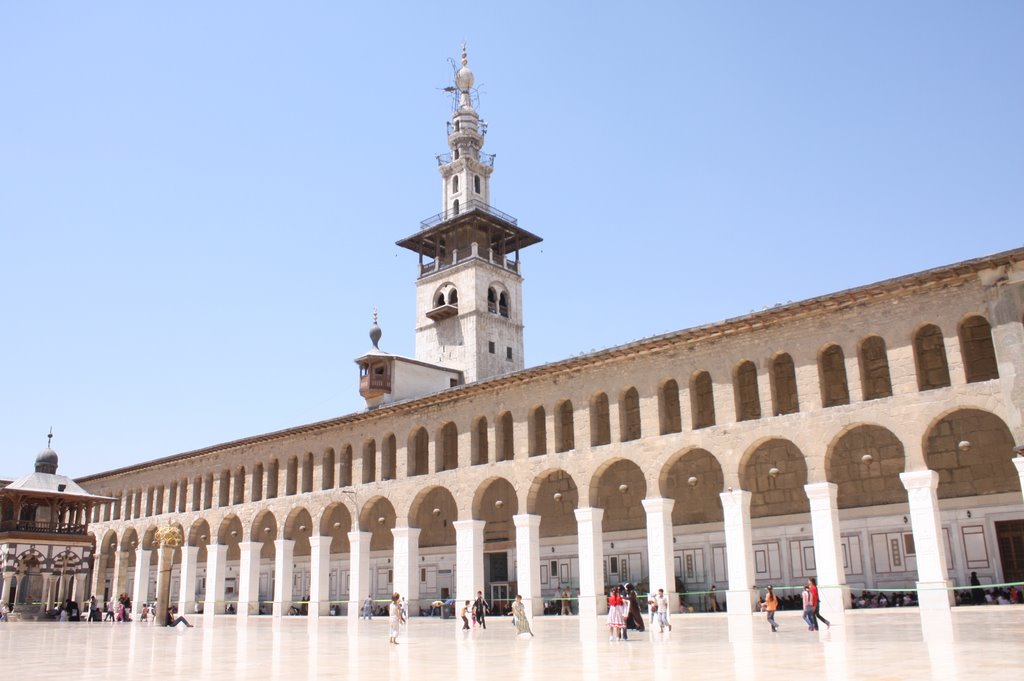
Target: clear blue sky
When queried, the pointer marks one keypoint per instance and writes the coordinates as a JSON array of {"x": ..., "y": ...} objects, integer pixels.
[{"x": 199, "y": 201}]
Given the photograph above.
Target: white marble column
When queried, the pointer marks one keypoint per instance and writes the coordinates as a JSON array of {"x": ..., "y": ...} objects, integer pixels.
[
  {"x": 97, "y": 580},
  {"x": 141, "y": 587},
  {"x": 5, "y": 585},
  {"x": 659, "y": 547},
  {"x": 358, "y": 571},
  {"x": 249, "y": 577},
  {"x": 739, "y": 551},
  {"x": 469, "y": 559},
  {"x": 528, "y": 561},
  {"x": 933, "y": 586},
  {"x": 591, "y": 546},
  {"x": 284, "y": 550},
  {"x": 828, "y": 549},
  {"x": 407, "y": 569},
  {"x": 187, "y": 585},
  {"x": 79, "y": 592},
  {"x": 119, "y": 578},
  {"x": 1018, "y": 461},
  {"x": 319, "y": 572},
  {"x": 216, "y": 560}
]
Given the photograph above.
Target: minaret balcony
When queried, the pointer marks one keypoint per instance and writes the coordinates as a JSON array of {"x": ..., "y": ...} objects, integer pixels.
[
  {"x": 485, "y": 159},
  {"x": 443, "y": 312},
  {"x": 374, "y": 385},
  {"x": 471, "y": 206}
]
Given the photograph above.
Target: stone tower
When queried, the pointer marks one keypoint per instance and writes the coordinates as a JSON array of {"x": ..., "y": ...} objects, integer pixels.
[{"x": 469, "y": 311}]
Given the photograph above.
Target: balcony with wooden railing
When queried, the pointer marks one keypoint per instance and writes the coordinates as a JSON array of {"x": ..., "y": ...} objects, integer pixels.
[{"x": 42, "y": 527}]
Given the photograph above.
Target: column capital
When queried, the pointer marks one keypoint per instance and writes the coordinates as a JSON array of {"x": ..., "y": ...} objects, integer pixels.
[
  {"x": 1018, "y": 461},
  {"x": 821, "y": 491},
  {"x": 526, "y": 520},
  {"x": 316, "y": 539},
  {"x": 250, "y": 545},
  {"x": 658, "y": 504},
  {"x": 589, "y": 514},
  {"x": 406, "y": 532},
  {"x": 926, "y": 479},
  {"x": 358, "y": 537},
  {"x": 281, "y": 543},
  {"x": 468, "y": 524},
  {"x": 735, "y": 498}
]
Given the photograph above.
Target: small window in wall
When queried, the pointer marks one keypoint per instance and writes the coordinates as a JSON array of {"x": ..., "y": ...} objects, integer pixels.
[
  {"x": 440, "y": 300},
  {"x": 503, "y": 305},
  {"x": 453, "y": 382},
  {"x": 457, "y": 154},
  {"x": 508, "y": 353},
  {"x": 455, "y": 185},
  {"x": 458, "y": 125},
  {"x": 490, "y": 347},
  {"x": 492, "y": 301},
  {"x": 476, "y": 183},
  {"x": 453, "y": 297},
  {"x": 455, "y": 206}
]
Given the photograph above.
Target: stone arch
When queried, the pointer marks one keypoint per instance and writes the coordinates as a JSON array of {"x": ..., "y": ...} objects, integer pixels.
[
  {"x": 930, "y": 358},
  {"x": 695, "y": 480},
  {"x": 618, "y": 486},
  {"x": 702, "y": 400},
  {"x": 199, "y": 537},
  {"x": 780, "y": 494},
  {"x": 446, "y": 448},
  {"x": 257, "y": 482},
  {"x": 554, "y": 497},
  {"x": 368, "y": 461},
  {"x": 291, "y": 476},
  {"x": 670, "y": 418},
  {"x": 748, "y": 399},
  {"x": 130, "y": 539},
  {"x": 870, "y": 481},
  {"x": 505, "y": 436},
  {"x": 388, "y": 457},
  {"x": 238, "y": 486},
  {"x": 783, "y": 382},
  {"x": 327, "y": 466},
  {"x": 418, "y": 455},
  {"x": 264, "y": 529},
  {"x": 629, "y": 415},
  {"x": 977, "y": 349},
  {"x": 600, "y": 420},
  {"x": 229, "y": 533},
  {"x": 336, "y": 523},
  {"x": 434, "y": 512},
  {"x": 835, "y": 390},
  {"x": 479, "y": 450},
  {"x": 983, "y": 466},
  {"x": 537, "y": 431},
  {"x": 378, "y": 517},
  {"x": 298, "y": 527},
  {"x": 345, "y": 467},
  {"x": 495, "y": 502},
  {"x": 565, "y": 433},
  {"x": 875, "y": 380}
]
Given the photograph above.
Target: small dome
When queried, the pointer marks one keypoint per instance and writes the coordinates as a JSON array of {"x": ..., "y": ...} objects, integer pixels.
[
  {"x": 464, "y": 78},
  {"x": 46, "y": 461}
]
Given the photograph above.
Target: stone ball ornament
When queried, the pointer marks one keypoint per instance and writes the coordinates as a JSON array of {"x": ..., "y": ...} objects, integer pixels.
[
  {"x": 773, "y": 472},
  {"x": 692, "y": 481},
  {"x": 964, "y": 445},
  {"x": 867, "y": 459}
]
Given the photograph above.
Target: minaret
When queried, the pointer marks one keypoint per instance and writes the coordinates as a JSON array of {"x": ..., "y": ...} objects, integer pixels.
[{"x": 469, "y": 313}]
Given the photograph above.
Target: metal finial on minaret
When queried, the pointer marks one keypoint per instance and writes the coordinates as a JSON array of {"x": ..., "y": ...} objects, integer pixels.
[
  {"x": 49, "y": 438},
  {"x": 375, "y": 332},
  {"x": 465, "y": 61}
]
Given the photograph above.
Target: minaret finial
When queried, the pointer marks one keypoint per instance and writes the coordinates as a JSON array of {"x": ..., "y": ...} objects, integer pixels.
[
  {"x": 465, "y": 61},
  {"x": 49, "y": 438},
  {"x": 375, "y": 332}
]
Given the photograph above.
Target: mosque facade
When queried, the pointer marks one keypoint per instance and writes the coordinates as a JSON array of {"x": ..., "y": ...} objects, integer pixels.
[{"x": 869, "y": 437}]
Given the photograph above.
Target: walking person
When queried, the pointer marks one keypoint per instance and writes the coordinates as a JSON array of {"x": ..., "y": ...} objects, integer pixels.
[
  {"x": 463, "y": 614},
  {"x": 634, "y": 618},
  {"x": 519, "y": 620},
  {"x": 813, "y": 583},
  {"x": 394, "y": 618},
  {"x": 659, "y": 609},
  {"x": 480, "y": 609},
  {"x": 616, "y": 622},
  {"x": 3, "y": 610},
  {"x": 566, "y": 607},
  {"x": 808, "y": 603},
  {"x": 770, "y": 605},
  {"x": 368, "y": 607}
]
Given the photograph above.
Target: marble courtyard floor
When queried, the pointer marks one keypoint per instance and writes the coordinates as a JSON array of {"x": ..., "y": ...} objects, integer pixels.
[{"x": 971, "y": 643}]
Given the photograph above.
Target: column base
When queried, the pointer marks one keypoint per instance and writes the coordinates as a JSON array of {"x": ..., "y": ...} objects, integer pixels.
[
  {"x": 593, "y": 606},
  {"x": 739, "y": 601},
  {"x": 935, "y": 595}
]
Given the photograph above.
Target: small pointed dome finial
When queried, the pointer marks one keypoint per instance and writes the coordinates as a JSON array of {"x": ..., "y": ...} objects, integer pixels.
[
  {"x": 464, "y": 77},
  {"x": 375, "y": 332},
  {"x": 49, "y": 437}
]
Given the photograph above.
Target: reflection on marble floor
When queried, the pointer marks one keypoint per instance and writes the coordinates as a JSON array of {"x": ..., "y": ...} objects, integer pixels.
[{"x": 969, "y": 643}]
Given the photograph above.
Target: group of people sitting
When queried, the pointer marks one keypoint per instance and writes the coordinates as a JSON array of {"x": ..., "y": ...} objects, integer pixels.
[{"x": 896, "y": 599}]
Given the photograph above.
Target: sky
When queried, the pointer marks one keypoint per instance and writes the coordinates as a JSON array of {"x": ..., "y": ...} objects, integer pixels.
[{"x": 199, "y": 202}]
